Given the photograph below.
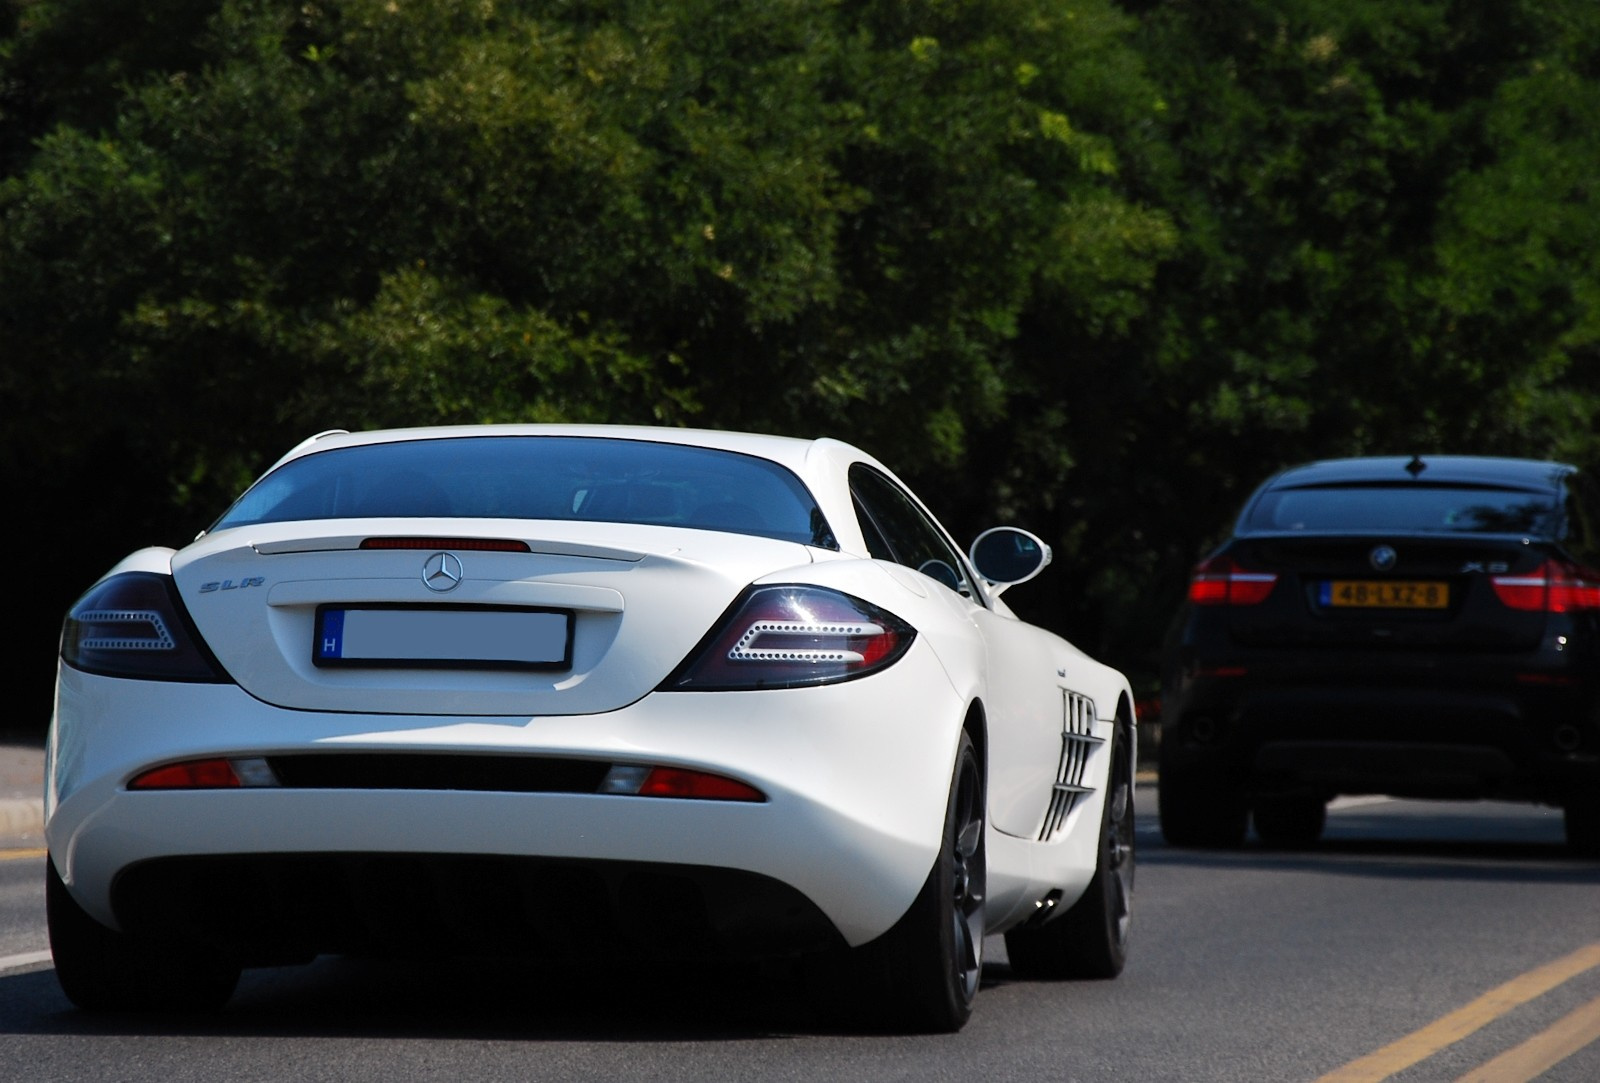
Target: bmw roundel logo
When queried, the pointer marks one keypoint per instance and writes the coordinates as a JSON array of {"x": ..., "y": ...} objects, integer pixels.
[
  {"x": 1383, "y": 558},
  {"x": 441, "y": 572}
]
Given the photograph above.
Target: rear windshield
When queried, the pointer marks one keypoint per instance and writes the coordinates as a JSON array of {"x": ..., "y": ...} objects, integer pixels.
[
  {"x": 540, "y": 477},
  {"x": 1405, "y": 508}
]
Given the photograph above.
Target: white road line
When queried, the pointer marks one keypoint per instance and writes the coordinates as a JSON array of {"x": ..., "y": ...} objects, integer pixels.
[{"x": 26, "y": 959}]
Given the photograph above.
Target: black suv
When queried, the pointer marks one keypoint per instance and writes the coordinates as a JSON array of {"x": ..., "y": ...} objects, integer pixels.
[{"x": 1412, "y": 627}]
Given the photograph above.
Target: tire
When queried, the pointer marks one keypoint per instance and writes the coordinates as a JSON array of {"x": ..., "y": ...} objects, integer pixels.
[
  {"x": 922, "y": 975},
  {"x": 1200, "y": 812},
  {"x": 1291, "y": 822},
  {"x": 1091, "y": 939},
  {"x": 1582, "y": 819},
  {"x": 102, "y": 970}
]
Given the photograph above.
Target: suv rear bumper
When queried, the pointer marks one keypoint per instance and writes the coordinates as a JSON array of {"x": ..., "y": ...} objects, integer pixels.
[{"x": 1447, "y": 738}]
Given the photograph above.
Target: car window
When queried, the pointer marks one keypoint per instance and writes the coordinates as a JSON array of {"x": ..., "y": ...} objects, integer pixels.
[
  {"x": 1408, "y": 508},
  {"x": 1581, "y": 521},
  {"x": 877, "y": 547},
  {"x": 541, "y": 477},
  {"x": 896, "y": 529}
]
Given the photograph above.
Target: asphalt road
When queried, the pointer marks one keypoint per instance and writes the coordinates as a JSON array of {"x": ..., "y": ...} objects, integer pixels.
[{"x": 1441, "y": 936}]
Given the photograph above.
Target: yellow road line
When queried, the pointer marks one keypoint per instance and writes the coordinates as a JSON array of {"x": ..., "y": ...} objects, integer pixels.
[
  {"x": 17, "y": 855},
  {"x": 1539, "y": 1054},
  {"x": 1424, "y": 1043}
]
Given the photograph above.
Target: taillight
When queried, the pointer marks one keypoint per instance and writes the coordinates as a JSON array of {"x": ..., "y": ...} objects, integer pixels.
[
  {"x": 1220, "y": 581},
  {"x": 790, "y": 636},
  {"x": 642, "y": 781},
  {"x": 214, "y": 773},
  {"x": 132, "y": 625},
  {"x": 194, "y": 775},
  {"x": 1556, "y": 586}
]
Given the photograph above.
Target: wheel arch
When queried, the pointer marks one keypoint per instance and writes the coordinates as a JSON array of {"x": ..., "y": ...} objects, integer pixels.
[
  {"x": 1127, "y": 722},
  {"x": 976, "y": 727}
]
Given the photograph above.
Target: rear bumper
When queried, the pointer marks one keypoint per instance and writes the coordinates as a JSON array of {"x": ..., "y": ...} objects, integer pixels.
[
  {"x": 855, "y": 775},
  {"x": 1459, "y": 733},
  {"x": 273, "y": 909}
]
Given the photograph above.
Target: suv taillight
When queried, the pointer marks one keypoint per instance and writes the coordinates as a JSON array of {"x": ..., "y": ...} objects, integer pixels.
[
  {"x": 1556, "y": 586},
  {"x": 1220, "y": 581}
]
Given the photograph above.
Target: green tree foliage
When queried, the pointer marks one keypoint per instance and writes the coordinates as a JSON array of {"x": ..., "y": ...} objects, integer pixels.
[
  {"x": 1091, "y": 268},
  {"x": 1384, "y": 210},
  {"x": 225, "y": 225},
  {"x": 1384, "y": 221},
  {"x": 778, "y": 215}
]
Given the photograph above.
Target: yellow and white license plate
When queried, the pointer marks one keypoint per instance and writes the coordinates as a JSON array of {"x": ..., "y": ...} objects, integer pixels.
[{"x": 1385, "y": 594}]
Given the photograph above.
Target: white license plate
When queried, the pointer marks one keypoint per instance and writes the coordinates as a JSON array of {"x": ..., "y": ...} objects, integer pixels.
[{"x": 440, "y": 637}]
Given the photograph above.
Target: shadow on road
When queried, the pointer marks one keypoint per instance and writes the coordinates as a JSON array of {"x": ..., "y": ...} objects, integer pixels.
[{"x": 338, "y": 997}]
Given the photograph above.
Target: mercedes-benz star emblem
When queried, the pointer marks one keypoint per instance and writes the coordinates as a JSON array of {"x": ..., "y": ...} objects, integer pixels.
[
  {"x": 1383, "y": 558},
  {"x": 441, "y": 572}
]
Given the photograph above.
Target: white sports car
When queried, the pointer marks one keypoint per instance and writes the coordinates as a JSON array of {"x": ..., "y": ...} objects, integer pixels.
[{"x": 515, "y": 688}]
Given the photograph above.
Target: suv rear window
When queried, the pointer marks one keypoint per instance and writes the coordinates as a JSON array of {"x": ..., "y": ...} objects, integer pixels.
[
  {"x": 540, "y": 477},
  {"x": 1405, "y": 509}
]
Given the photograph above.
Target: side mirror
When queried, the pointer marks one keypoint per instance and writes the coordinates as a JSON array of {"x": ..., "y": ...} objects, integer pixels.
[{"x": 1006, "y": 556}]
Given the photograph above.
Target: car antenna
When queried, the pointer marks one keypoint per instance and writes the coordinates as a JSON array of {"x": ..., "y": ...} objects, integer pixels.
[{"x": 1416, "y": 466}]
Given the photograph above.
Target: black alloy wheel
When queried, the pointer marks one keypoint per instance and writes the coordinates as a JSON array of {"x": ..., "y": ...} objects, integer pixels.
[
  {"x": 1090, "y": 941},
  {"x": 968, "y": 875},
  {"x": 922, "y": 975}
]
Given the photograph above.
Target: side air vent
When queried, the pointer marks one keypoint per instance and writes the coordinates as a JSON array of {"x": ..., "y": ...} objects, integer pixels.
[{"x": 1077, "y": 741}]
